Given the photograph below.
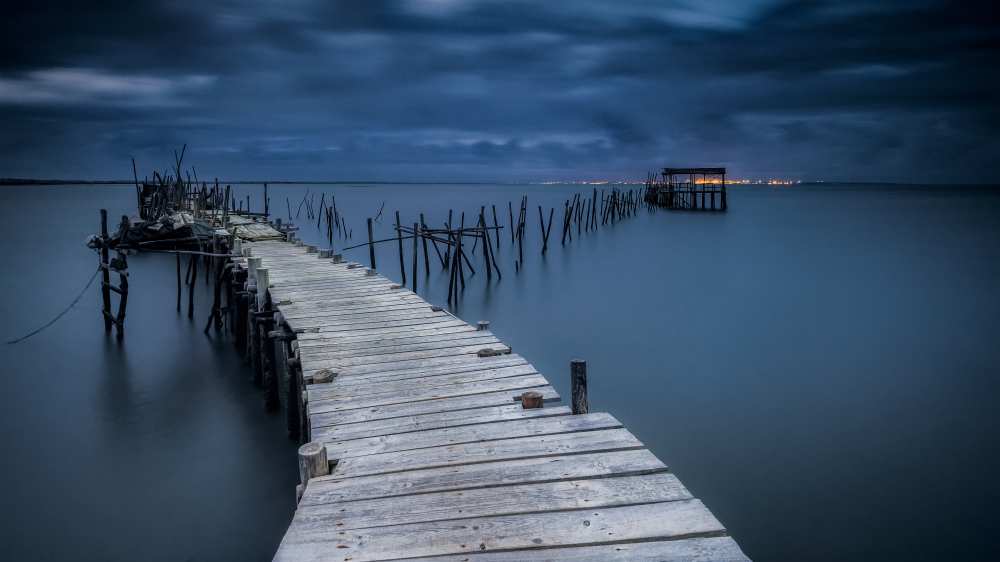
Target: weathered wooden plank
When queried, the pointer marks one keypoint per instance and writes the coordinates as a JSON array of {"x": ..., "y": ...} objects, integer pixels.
[
  {"x": 329, "y": 302},
  {"x": 336, "y": 488},
  {"x": 371, "y": 361},
  {"x": 434, "y": 420},
  {"x": 362, "y": 315},
  {"x": 446, "y": 436},
  {"x": 323, "y": 326},
  {"x": 685, "y": 518},
  {"x": 374, "y": 289},
  {"x": 452, "y": 403},
  {"x": 340, "y": 298},
  {"x": 429, "y": 366},
  {"x": 435, "y": 365},
  {"x": 312, "y": 309},
  {"x": 482, "y": 451},
  {"x": 326, "y": 399},
  {"x": 431, "y": 327},
  {"x": 355, "y": 386},
  {"x": 703, "y": 549},
  {"x": 392, "y": 350},
  {"x": 317, "y": 521},
  {"x": 454, "y": 332}
]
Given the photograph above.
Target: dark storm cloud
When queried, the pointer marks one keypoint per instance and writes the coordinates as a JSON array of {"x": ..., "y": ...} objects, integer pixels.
[{"x": 482, "y": 89}]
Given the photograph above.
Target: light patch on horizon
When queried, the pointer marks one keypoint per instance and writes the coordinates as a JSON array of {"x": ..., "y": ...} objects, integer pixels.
[{"x": 79, "y": 86}]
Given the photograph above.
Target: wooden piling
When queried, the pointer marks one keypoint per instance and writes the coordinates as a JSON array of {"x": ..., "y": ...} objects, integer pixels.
[
  {"x": 191, "y": 286},
  {"x": 399, "y": 240},
  {"x": 578, "y": 382},
  {"x": 312, "y": 461},
  {"x": 178, "y": 256},
  {"x": 371, "y": 244},
  {"x": 423, "y": 238},
  {"x": 105, "y": 273},
  {"x": 416, "y": 234}
]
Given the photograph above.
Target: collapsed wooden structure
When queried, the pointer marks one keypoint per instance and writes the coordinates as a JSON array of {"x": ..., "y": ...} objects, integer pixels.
[{"x": 688, "y": 189}]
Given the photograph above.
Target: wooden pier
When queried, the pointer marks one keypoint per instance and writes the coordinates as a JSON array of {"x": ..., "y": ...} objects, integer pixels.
[{"x": 428, "y": 439}]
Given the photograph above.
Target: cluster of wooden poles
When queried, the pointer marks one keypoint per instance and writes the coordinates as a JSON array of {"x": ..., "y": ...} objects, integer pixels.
[
  {"x": 454, "y": 243},
  {"x": 170, "y": 192},
  {"x": 336, "y": 224}
]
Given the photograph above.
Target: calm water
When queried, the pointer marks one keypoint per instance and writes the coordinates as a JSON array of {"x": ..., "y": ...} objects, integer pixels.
[{"x": 819, "y": 365}]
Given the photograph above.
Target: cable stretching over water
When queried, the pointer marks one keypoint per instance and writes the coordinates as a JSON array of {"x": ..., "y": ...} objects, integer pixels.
[{"x": 61, "y": 314}]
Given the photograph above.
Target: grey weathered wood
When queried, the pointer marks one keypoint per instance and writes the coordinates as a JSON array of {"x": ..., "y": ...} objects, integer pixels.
[
  {"x": 482, "y": 451},
  {"x": 446, "y": 436},
  {"x": 404, "y": 357},
  {"x": 452, "y": 403},
  {"x": 578, "y": 380},
  {"x": 590, "y": 526},
  {"x": 704, "y": 549},
  {"x": 444, "y": 361},
  {"x": 312, "y": 462},
  {"x": 366, "y": 386},
  {"x": 399, "y": 331},
  {"x": 435, "y": 420},
  {"x": 380, "y": 354},
  {"x": 381, "y": 340},
  {"x": 323, "y": 399},
  {"x": 584, "y": 464},
  {"x": 315, "y": 520}
]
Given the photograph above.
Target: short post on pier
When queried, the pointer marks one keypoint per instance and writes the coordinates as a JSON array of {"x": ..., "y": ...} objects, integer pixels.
[{"x": 578, "y": 381}]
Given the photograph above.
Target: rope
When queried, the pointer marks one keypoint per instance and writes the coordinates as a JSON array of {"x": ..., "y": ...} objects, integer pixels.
[{"x": 61, "y": 314}]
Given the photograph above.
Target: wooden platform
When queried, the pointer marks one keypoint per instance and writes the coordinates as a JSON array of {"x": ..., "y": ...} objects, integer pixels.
[{"x": 435, "y": 457}]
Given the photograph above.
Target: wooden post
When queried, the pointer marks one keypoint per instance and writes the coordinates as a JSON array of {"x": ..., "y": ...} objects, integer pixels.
[
  {"x": 399, "y": 241},
  {"x": 252, "y": 264},
  {"x": 416, "y": 229},
  {"x": 427, "y": 263},
  {"x": 312, "y": 461},
  {"x": 105, "y": 273},
  {"x": 723, "y": 202},
  {"x": 496, "y": 226},
  {"x": 531, "y": 400},
  {"x": 263, "y": 283},
  {"x": 578, "y": 380},
  {"x": 178, "y": 282},
  {"x": 371, "y": 244},
  {"x": 194, "y": 277},
  {"x": 485, "y": 235}
]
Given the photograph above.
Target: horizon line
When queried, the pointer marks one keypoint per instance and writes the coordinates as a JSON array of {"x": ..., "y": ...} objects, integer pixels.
[{"x": 15, "y": 181}]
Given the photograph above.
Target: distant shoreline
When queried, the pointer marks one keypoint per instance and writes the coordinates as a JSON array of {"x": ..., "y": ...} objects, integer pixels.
[{"x": 7, "y": 182}]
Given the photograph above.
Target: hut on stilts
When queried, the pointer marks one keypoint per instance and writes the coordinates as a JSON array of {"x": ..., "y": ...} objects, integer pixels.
[{"x": 688, "y": 189}]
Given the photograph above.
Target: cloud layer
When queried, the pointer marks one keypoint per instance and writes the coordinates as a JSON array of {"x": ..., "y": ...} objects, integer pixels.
[{"x": 511, "y": 90}]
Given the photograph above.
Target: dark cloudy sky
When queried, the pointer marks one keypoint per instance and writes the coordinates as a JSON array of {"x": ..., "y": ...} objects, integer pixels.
[{"x": 502, "y": 90}]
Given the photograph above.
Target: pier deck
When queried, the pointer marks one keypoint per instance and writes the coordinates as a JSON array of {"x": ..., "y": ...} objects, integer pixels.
[{"x": 436, "y": 459}]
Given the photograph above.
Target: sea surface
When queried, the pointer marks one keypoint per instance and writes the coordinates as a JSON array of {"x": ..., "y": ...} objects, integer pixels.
[{"x": 820, "y": 365}]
